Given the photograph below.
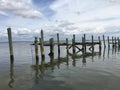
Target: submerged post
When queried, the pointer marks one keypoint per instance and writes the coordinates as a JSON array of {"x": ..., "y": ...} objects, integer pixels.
[
  {"x": 67, "y": 45},
  {"x": 118, "y": 41},
  {"x": 112, "y": 42},
  {"x": 84, "y": 42},
  {"x": 108, "y": 42},
  {"x": 10, "y": 43},
  {"x": 36, "y": 49},
  {"x": 58, "y": 43},
  {"x": 104, "y": 41},
  {"x": 83, "y": 46},
  {"x": 99, "y": 43},
  {"x": 51, "y": 47},
  {"x": 115, "y": 42},
  {"x": 42, "y": 45},
  {"x": 73, "y": 43},
  {"x": 92, "y": 43}
]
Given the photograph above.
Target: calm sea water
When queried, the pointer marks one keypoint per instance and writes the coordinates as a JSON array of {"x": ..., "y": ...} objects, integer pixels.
[{"x": 99, "y": 72}]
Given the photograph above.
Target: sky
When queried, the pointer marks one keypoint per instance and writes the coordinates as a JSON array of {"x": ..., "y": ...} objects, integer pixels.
[{"x": 67, "y": 17}]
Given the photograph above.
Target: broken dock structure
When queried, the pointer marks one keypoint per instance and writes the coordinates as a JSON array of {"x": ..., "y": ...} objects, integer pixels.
[
  {"x": 73, "y": 44},
  {"x": 84, "y": 46}
]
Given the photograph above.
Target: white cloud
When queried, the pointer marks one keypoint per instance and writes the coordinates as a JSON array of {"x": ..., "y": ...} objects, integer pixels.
[
  {"x": 70, "y": 17},
  {"x": 23, "y": 31},
  {"x": 88, "y": 16},
  {"x": 3, "y": 13},
  {"x": 19, "y": 8}
]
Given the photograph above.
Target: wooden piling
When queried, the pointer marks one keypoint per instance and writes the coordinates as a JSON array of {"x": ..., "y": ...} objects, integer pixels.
[
  {"x": 36, "y": 50},
  {"x": 10, "y": 43},
  {"x": 67, "y": 45},
  {"x": 41, "y": 49},
  {"x": 104, "y": 41},
  {"x": 99, "y": 43},
  {"x": 58, "y": 43},
  {"x": 73, "y": 43},
  {"x": 67, "y": 63},
  {"x": 42, "y": 45},
  {"x": 118, "y": 41},
  {"x": 51, "y": 47},
  {"x": 52, "y": 56},
  {"x": 85, "y": 42},
  {"x": 115, "y": 42},
  {"x": 92, "y": 43},
  {"x": 112, "y": 41},
  {"x": 83, "y": 48},
  {"x": 108, "y": 42}
]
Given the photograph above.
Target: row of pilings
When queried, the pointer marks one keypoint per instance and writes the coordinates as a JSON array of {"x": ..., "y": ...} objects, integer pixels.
[{"x": 115, "y": 42}]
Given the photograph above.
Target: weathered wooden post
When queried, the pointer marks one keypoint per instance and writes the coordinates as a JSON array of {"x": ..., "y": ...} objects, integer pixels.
[
  {"x": 42, "y": 45},
  {"x": 51, "y": 47},
  {"x": 36, "y": 50},
  {"x": 42, "y": 49},
  {"x": 118, "y": 41},
  {"x": 58, "y": 43},
  {"x": 73, "y": 43},
  {"x": 99, "y": 43},
  {"x": 51, "y": 54},
  {"x": 115, "y": 42},
  {"x": 108, "y": 42},
  {"x": 83, "y": 48},
  {"x": 67, "y": 48},
  {"x": 10, "y": 44},
  {"x": 112, "y": 42},
  {"x": 84, "y": 42},
  {"x": 67, "y": 45},
  {"x": 104, "y": 41},
  {"x": 92, "y": 43}
]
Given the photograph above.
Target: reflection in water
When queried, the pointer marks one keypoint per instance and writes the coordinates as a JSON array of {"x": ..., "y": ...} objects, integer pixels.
[
  {"x": 74, "y": 61},
  {"x": 119, "y": 49},
  {"x": 10, "y": 83},
  {"x": 37, "y": 74},
  {"x": 115, "y": 50},
  {"x": 93, "y": 53},
  {"x": 37, "y": 70},
  {"x": 84, "y": 60},
  {"x": 108, "y": 51},
  {"x": 104, "y": 53},
  {"x": 52, "y": 62},
  {"x": 40, "y": 69},
  {"x": 58, "y": 64},
  {"x": 67, "y": 60},
  {"x": 112, "y": 51}
]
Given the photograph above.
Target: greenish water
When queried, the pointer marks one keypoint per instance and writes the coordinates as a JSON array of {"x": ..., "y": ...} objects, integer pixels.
[{"x": 95, "y": 72}]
